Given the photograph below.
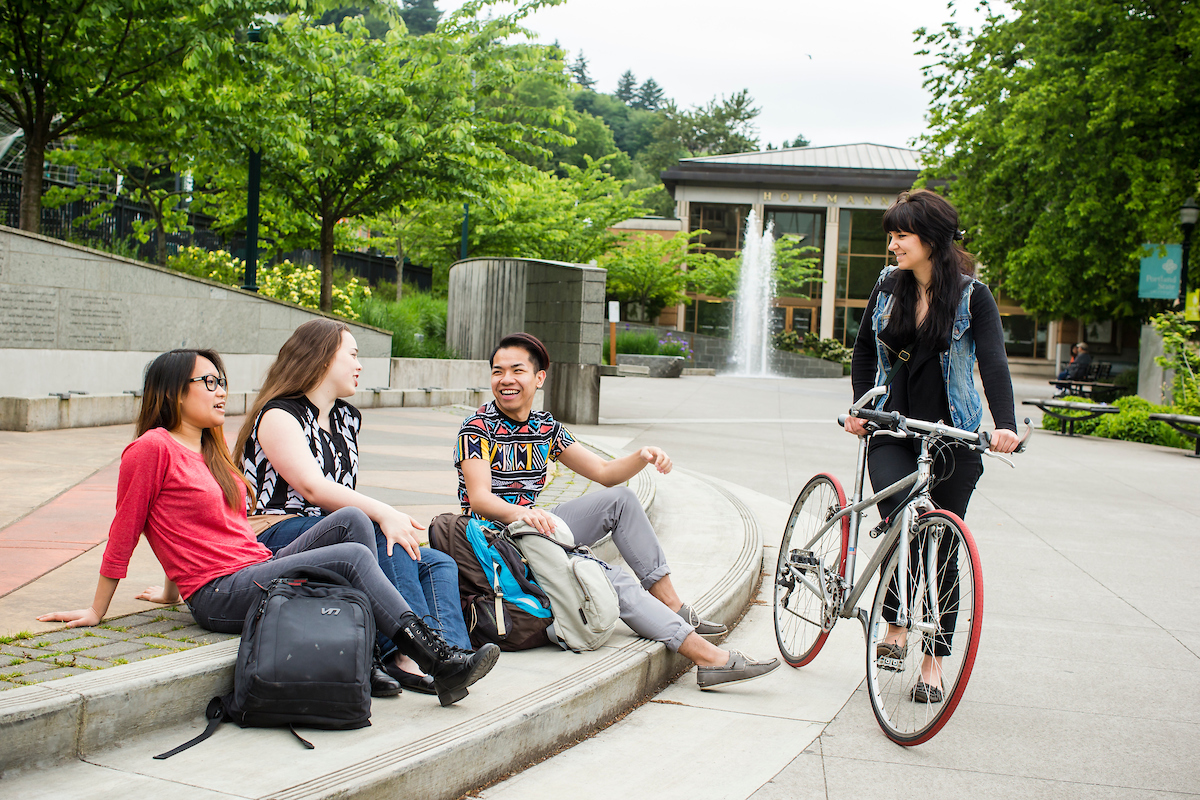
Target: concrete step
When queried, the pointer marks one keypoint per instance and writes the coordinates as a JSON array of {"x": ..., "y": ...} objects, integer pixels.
[{"x": 94, "y": 735}]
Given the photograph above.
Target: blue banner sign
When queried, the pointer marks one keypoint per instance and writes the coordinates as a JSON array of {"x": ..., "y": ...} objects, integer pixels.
[{"x": 1160, "y": 274}]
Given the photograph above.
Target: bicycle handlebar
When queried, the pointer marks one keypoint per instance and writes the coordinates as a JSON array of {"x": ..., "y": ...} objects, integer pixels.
[{"x": 895, "y": 423}]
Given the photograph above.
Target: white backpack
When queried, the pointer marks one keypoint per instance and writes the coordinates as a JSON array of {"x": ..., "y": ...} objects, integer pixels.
[{"x": 582, "y": 598}]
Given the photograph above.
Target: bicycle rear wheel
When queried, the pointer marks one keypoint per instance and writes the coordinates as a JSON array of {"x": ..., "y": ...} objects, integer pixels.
[
  {"x": 803, "y": 618},
  {"x": 945, "y": 589}
]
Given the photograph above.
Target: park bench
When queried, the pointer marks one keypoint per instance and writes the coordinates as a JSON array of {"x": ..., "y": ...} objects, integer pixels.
[
  {"x": 1093, "y": 379},
  {"x": 1055, "y": 407},
  {"x": 1188, "y": 426}
]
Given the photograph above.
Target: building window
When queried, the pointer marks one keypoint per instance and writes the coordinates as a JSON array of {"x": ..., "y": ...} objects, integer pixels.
[
  {"x": 724, "y": 224},
  {"x": 862, "y": 255}
]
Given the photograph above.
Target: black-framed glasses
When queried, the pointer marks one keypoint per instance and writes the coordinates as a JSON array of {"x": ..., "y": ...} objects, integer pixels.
[{"x": 211, "y": 382}]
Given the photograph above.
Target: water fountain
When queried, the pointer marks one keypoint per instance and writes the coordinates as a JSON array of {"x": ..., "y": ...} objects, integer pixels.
[{"x": 756, "y": 293}]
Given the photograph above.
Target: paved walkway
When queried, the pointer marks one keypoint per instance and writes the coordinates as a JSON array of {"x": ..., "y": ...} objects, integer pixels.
[
  {"x": 1086, "y": 682},
  {"x": 52, "y": 553},
  {"x": 1085, "y": 685}
]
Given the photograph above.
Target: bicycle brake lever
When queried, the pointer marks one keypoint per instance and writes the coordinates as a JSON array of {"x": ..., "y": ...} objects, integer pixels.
[{"x": 1000, "y": 458}]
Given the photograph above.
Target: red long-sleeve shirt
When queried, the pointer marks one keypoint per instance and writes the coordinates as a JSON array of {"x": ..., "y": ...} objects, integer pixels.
[{"x": 166, "y": 492}]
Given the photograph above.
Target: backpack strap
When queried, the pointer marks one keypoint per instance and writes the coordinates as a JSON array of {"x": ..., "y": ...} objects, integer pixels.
[{"x": 215, "y": 713}]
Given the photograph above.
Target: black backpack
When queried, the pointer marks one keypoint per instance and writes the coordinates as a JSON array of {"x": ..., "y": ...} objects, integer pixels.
[{"x": 305, "y": 659}]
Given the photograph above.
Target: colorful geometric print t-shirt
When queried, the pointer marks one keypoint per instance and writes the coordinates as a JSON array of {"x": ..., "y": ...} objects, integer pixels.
[{"x": 518, "y": 452}]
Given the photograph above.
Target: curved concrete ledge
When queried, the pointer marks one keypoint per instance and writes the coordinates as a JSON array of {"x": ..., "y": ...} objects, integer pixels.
[{"x": 532, "y": 704}]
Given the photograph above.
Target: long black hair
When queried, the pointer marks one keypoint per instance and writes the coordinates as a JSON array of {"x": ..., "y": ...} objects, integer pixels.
[
  {"x": 168, "y": 380},
  {"x": 931, "y": 217}
]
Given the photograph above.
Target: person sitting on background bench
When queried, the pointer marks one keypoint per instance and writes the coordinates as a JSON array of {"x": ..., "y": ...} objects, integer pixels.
[
  {"x": 502, "y": 453},
  {"x": 1078, "y": 368},
  {"x": 1065, "y": 372}
]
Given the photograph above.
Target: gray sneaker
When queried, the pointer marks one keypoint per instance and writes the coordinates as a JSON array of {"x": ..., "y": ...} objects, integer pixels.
[
  {"x": 703, "y": 627},
  {"x": 738, "y": 669}
]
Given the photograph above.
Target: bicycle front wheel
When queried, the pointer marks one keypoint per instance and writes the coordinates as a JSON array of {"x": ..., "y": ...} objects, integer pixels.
[
  {"x": 917, "y": 674},
  {"x": 810, "y": 559}
]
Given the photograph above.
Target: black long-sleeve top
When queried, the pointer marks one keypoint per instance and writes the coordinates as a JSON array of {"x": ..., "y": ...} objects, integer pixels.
[{"x": 918, "y": 390}]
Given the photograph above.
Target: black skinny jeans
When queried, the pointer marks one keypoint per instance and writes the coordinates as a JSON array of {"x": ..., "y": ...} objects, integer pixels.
[
  {"x": 343, "y": 542},
  {"x": 888, "y": 462}
]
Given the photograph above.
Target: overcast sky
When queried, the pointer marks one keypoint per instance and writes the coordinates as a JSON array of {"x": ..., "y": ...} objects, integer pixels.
[{"x": 836, "y": 72}]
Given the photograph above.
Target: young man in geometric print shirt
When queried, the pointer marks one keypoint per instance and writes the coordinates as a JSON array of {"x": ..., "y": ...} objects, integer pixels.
[{"x": 501, "y": 454}]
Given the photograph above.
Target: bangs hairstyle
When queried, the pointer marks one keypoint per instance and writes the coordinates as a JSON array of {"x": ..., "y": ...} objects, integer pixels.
[
  {"x": 167, "y": 383},
  {"x": 931, "y": 217},
  {"x": 527, "y": 342},
  {"x": 301, "y": 365}
]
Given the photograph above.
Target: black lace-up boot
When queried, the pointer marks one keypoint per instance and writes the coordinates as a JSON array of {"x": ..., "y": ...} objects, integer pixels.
[{"x": 452, "y": 668}]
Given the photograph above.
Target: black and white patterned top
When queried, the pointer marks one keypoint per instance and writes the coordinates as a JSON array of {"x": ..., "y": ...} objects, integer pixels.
[{"x": 335, "y": 451}]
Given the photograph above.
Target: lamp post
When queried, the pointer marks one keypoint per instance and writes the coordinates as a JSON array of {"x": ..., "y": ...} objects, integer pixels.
[{"x": 1189, "y": 212}]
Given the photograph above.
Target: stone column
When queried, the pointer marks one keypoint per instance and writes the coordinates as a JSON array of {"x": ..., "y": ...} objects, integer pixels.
[{"x": 829, "y": 288}]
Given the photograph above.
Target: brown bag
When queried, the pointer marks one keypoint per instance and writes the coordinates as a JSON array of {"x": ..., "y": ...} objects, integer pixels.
[{"x": 489, "y": 614}]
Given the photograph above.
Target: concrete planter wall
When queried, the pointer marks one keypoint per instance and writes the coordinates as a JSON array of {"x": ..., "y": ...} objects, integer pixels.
[{"x": 660, "y": 366}]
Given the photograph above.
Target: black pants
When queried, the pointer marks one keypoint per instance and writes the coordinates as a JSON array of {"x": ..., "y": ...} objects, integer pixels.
[
  {"x": 343, "y": 542},
  {"x": 888, "y": 462}
]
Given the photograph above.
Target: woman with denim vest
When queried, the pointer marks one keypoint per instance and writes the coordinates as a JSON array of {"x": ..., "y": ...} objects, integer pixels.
[{"x": 929, "y": 312}]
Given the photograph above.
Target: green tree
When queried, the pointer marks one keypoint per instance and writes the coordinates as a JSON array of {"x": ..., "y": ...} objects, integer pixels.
[
  {"x": 350, "y": 126},
  {"x": 579, "y": 71},
  {"x": 83, "y": 67},
  {"x": 632, "y": 130},
  {"x": 650, "y": 96},
  {"x": 650, "y": 272},
  {"x": 420, "y": 16},
  {"x": 626, "y": 87},
  {"x": 1067, "y": 132},
  {"x": 547, "y": 99},
  {"x": 796, "y": 268},
  {"x": 539, "y": 216}
]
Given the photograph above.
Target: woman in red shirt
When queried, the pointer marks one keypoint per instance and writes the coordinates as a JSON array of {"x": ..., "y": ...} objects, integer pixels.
[{"x": 180, "y": 488}]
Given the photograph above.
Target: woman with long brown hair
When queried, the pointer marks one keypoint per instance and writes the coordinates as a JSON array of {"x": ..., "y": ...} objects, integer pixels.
[
  {"x": 179, "y": 487},
  {"x": 927, "y": 324},
  {"x": 299, "y": 448}
]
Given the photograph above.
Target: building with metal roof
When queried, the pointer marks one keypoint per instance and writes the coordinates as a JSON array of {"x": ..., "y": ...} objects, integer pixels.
[{"x": 830, "y": 199}]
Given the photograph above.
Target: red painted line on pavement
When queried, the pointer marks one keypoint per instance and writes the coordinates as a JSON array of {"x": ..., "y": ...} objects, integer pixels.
[{"x": 70, "y": 524}]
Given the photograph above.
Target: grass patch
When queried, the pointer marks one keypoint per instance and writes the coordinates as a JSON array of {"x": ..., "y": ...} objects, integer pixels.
[
  {"x": 16, "y": 637},
  {"x": 119, "y": 661},
  {"x": 16, "y": 662}
]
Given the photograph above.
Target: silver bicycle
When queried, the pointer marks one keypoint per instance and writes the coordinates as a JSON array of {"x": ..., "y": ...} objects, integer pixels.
[{"x": 923, "y": 627}]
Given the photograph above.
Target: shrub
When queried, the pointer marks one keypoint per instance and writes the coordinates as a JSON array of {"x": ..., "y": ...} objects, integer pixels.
[
  {"x": 670, "y": 346},
  {"x": 810, "y": 344},
  {"x": 1182, "y": 356},
  {"x": 1131, "y": 424},
  {"x": 634, "y": 342},
  {"x": 295, "y": 283},
  {"x": 417, "y": 323}
]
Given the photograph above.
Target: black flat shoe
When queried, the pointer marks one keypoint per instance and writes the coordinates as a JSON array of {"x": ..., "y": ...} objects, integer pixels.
[
  {"x": 383, "y": 684},
  {"x": 422, "y": 684}
]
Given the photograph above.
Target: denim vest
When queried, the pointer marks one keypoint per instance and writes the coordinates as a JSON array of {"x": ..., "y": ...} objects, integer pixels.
[{"x": 958, "y": 363}]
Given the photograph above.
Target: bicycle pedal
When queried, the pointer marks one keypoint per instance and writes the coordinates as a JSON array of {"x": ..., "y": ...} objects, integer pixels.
[
  {"x": 890, "y": 663},
  {"x": 804, "y": 558}
]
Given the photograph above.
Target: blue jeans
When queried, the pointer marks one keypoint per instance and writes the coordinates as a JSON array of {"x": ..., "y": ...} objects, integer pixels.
[{"x": 430, "y": 586}]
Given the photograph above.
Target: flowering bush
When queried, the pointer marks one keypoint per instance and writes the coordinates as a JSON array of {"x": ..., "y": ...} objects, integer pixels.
[
  {"x": 295, "y": 283},
  {"x": 670, "y": 346}
]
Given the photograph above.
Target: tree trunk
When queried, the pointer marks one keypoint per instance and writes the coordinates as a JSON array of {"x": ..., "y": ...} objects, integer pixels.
[
  {"x": 160, "y": 246},
  {"x": 31, "y": 183},
  {"x": 399, "y": 270},
  {"x": 327, "y": 224}
]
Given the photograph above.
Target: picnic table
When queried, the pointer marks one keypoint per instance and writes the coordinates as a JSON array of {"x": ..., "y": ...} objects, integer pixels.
[
  {"x": 1188, "y": 426},
  {"x": 1055, "y": 408}
]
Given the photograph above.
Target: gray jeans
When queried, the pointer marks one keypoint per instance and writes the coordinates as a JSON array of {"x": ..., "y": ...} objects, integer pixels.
[
  {"x": 617, "y": 511},
  {"x": 343, "y": 542}
]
